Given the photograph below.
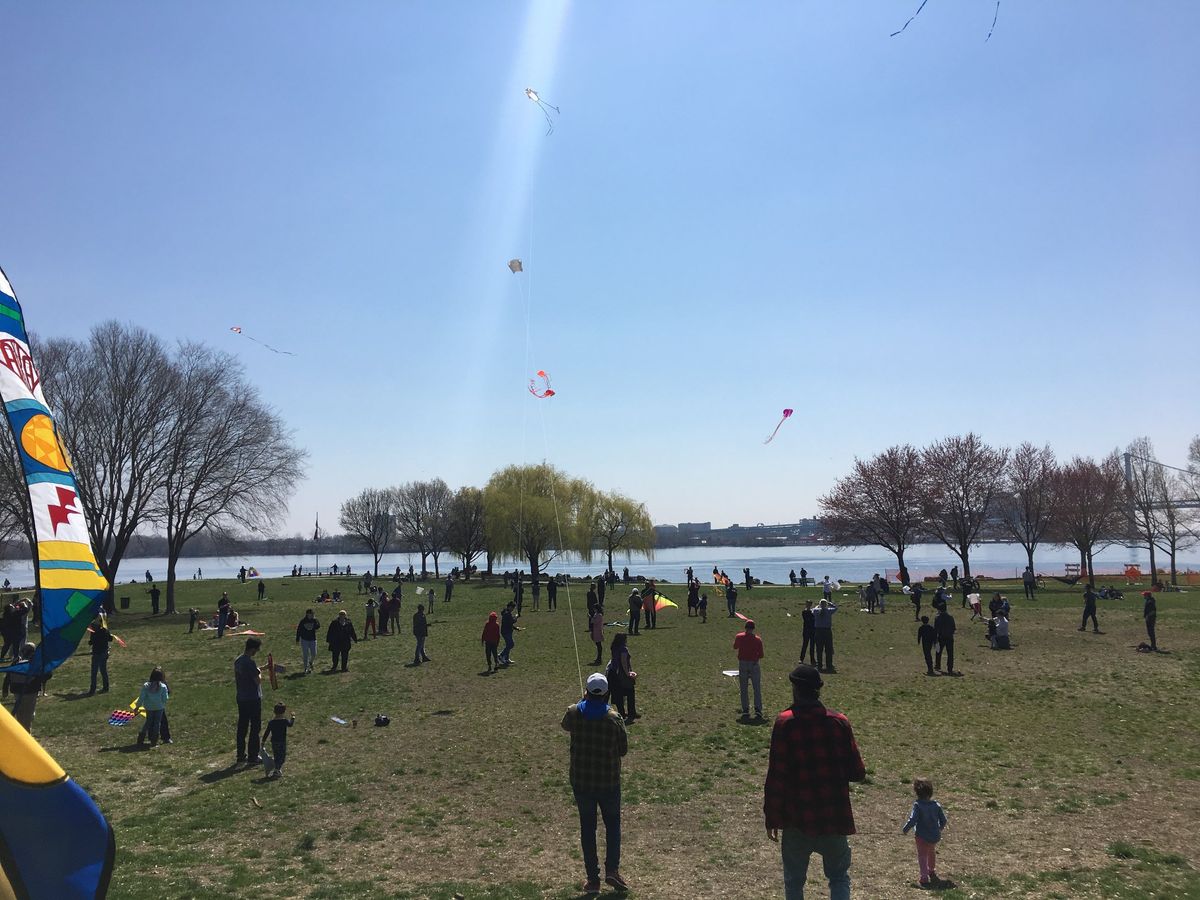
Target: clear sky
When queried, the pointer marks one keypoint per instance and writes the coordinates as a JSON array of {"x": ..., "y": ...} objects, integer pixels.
[{"x": 742, "y": 207}]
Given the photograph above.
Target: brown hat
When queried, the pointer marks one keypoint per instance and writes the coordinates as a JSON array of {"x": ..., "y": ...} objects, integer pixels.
[{"x": 806, "y": 676}]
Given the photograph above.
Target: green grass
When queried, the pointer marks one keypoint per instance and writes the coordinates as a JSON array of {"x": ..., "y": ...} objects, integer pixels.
[{"x": 1043, "y": 757}]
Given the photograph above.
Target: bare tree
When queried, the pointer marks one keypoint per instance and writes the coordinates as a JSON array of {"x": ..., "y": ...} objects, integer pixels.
[
  {"x": 878, "y": 503},
  {"x": 1026, "y": 504},
  {"x": 368, "y": 516},
  {"x": 618, "y": 524},
  {"x": 466, "y": 531},
  {"x": 1145, "y": 488},
  {"x": 1088, "y": 506},
  {"x": 1177, "y": 526},
  {"x": 15, "y": 522},
  {"x": 421, "y": 518},
  {"x": 960, "y": 479},
  {"x": 231, "y": 463},
  {"x": 112, "y": 397}
]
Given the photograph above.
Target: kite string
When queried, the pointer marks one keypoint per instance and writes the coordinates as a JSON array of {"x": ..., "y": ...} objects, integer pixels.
[{"x": 910, "y": 18}]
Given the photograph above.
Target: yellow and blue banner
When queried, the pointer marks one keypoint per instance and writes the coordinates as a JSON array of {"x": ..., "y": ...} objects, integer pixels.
[
  {"x": 69, "y": 580},
  {"x": 55, "y": 844}
]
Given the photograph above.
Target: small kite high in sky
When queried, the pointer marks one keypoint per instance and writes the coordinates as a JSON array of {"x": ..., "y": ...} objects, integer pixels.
[
  {"x": 514, "y": 266},
  {"x": 786, "y": 415},
  {"x": 237, "y": 329},
  {"x": 544, "y": 107},
  {"x": 541, "y": 393},
  {"x": 995, "y": 16}
]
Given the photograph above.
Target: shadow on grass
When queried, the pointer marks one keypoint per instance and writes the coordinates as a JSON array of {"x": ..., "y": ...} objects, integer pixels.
[
  {"x": 125, "y": 748},
  {"x": 78, "y": 695},
  {"x": 753, "y": 722},
  {"x": 222, "y": 774}
]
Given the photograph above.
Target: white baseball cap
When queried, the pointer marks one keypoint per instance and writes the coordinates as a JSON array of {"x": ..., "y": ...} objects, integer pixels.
[{"x": 597, "y": 685}]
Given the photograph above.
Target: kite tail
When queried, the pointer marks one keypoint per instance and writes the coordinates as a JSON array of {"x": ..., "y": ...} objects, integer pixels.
[
  {"x": 994, "y": 18},
  {"x": 910, "y": 18}
]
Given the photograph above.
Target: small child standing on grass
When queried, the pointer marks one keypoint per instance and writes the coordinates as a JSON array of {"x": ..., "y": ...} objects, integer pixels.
[
  {"x": 372, "y": 605},
  {"x": 929, "y": 819},
  {"x": 277, "y": 730},
  {"x": 703, "y": 607}
]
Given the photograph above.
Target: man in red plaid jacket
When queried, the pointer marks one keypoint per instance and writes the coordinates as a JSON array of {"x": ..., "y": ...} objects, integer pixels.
[{"x": 807, "y": 795}]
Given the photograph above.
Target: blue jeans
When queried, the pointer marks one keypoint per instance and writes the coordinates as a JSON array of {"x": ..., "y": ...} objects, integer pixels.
[
  {"x": 835, "y": 856},
  {"x": 222, "y": 618},
  {"x": 154, "y": 719},
  {"x": 609, "y": 802},
  {"x": 419, "y": 655},
  {"x": 99, "y": 667},
  {"x": 508, "y": 645}
]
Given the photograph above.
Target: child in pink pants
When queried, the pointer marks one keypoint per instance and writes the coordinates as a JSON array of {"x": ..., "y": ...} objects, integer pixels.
[{"x": 928, "y": 818}]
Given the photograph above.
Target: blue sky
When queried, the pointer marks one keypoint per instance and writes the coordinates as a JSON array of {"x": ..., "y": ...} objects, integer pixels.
[{"x": 741, "y": 208}]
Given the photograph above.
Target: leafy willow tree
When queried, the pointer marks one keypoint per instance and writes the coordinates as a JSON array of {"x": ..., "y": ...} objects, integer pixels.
[
  {"x": 1026, "y": 503},
  {"x": 960, "y": 479},
  {"x": 368, "y": 516},
  {"x": 878, "y": 503},
  {"x": 466, "y": 533},
  {"x": 535, "y": 513},
  {"x": 618, "y": 524},
  {"x": 230, "y": 460}
]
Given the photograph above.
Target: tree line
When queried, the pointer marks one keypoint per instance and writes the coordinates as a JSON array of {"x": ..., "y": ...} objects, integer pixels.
[
  {"x": 960, "y": 491},
  {"x": 174, "y": 439},
  {"x": 535, "y": 513}
]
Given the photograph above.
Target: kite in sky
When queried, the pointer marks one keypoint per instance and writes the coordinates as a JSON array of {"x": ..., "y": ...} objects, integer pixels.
[
  {"x": 237, "y": 329},
  {"x": 544, "y": 107},
  {"x": 995, "y": 16},
  {"x": 514, "y": 266},
  {"x": 786, "y": 415},
  {"x": 541, "y": 393}
]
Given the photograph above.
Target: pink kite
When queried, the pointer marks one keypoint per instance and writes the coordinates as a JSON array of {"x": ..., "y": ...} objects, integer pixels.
[
  {"x": 541, "y": 393},
  {"x": 742, "y": 616},
  {"x": 786, "y": 415},
  {"x": 115, "y": 637}
]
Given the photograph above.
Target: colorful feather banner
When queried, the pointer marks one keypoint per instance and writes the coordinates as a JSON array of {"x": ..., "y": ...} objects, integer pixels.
[{"x": 69, "y": 580}]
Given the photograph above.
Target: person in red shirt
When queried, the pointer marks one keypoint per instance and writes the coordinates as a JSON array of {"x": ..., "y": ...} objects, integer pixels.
[
  {"x": 749, "y": 647},
  {"x": 807, "y": 793},
  {"x": 491, "y": 640}
]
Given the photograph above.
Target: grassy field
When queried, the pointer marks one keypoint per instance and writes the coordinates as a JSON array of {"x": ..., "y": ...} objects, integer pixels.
[{"x": 1069, "y": 767}]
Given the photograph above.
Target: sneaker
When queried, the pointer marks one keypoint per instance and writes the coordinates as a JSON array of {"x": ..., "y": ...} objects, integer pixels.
[
  {"x": 591, "y": 886},
  {"x": 614, "y": 879}
]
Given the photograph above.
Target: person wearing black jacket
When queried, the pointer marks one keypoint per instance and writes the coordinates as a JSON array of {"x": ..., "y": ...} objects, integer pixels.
[
  {"x": 926, "y": 637},
  {"x": 420, "y": 632},
  {"x": 1150, "y": 615},
  {"x": 306, "y": 637},
  {"x": 808, "y": 644},
  {"x": 943, "y": 625},
  {"x": 917, "y": 590},
  {"x": 339, "y": 636},
  {"x": 1089, "y": 609},
  {"x": 552, "y": 593},
  {"x": 99, "y": 640}
]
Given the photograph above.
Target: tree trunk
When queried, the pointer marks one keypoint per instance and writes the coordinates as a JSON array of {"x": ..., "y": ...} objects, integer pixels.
[
  {"x": 489, "y": 563},
  {"x": 610, "y": 568},
  {"x": 424, "y": 571},
  {"x": 533, "y": 572},
  {"x": 965, "y": 556},
  {"x": 1029, "y": 553},
  {"x": 1174, "y": 574},
  {"x": 436, "y": 573},
  {"x": 1153, "y": 570},
  {"x": 1091, "y": 577},
  {"x": 171, "y": 588},
  {"x": 900, "y": 562},
  {"x": 1083, "y": 558},
  {"x": 378, "y": 556}
]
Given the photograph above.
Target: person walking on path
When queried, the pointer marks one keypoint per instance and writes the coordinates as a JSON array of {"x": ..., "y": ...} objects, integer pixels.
[
  {"x": 247, "y": 676},
  {"x": 598, "y": 741},
  {"x": 927, "y": 637},
  {"x": 635, "y": 611},
  {"x": 491, "y": 640},
  {"x": 749, "y": 647},
  {"x": 813, "y": 759},
  {"x": 339, "y": 636},
  {"x": 1029, "y": 582},
  {"x": 943, "y": 625},
  {"x": 928, "y": 818},
  {"x": 731, "y": 600},
  {"x": 823, "y": 634},
  {"x": 596, "y": 631},
  {"x": 306, "y": 637},
  {"x": 622, "y": 678},
  {"x": 1089, "y": 609},
  {"x": 420, "y": 628},
  {"x": 508, "y": 625},
  {"x": 100, "y": 640},
  {"x": 808, "y": 642},
  {"x": 1150, "y": 615}
]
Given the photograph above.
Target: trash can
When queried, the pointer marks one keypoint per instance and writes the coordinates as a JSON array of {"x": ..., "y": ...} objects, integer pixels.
[{"x": 124, "y": 603}]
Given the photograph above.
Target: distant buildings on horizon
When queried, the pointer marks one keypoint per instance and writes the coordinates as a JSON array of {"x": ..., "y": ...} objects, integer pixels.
[{"x": 702, "y": 534}]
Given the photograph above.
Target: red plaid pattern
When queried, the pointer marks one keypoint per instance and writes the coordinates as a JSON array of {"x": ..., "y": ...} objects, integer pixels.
[{"x": 813, "y": 760}]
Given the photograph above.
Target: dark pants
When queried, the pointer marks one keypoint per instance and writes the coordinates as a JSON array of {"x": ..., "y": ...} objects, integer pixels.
[
  {"x": 927, "y": 649},
  {"x": 599, "y": 650},
  {"x": 916, "y": 610},
  {"x": 419, "y": 654},
  {"x": 823, "y": 639},
  {"x": 153, "y": 605},
  {"x": 808, "y": 645},
  {"x": 508, "y": 645},
  {"x": 370, "y": 626},
  {"x": 651, "y": 616},
  {"x": 100, "y": 667},
  {"x": 490, "y": 656},
  {"x": 1150, "y": 633},
  {"x": 731, "y": 605},
  {"x": 343, "y": 654},
  {"x": 1029, "y": 590},
  {"x": 635, "y": 620},
  {"x": 1089, "y": 612},
  {"x": 222, "y": 618},
  {"x": 609, "y": 803},
  {"x": 279, "y": 751},
  {"x": 945, "y": 646},
  {"x": 249, "y": 722},
  {"x": 552, "y": 600}
]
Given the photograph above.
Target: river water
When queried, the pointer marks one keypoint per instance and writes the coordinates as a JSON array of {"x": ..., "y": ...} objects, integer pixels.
[{"x": 766, "y": 563}]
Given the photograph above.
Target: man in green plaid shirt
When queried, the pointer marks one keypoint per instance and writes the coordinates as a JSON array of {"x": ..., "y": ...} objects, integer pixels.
[{"x": 598, "y": 741}]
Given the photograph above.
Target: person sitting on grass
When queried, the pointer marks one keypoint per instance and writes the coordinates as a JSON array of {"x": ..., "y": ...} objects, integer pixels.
[
  {"x": 999, "y": 632},
  {"x": 928, "y": 818}
]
